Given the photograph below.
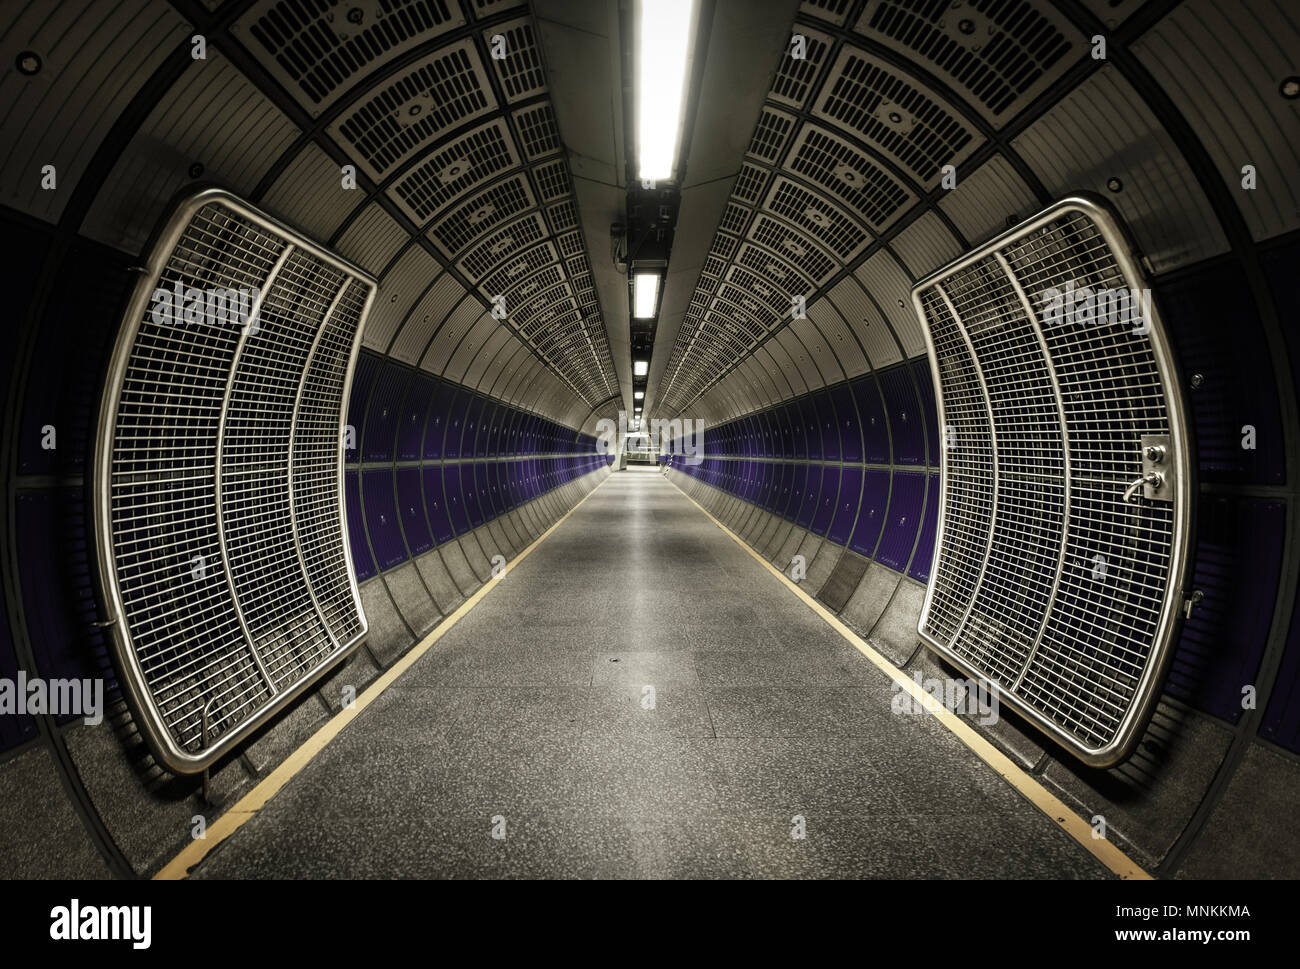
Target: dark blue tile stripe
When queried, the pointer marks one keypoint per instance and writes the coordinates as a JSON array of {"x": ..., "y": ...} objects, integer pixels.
[
  {"x": 805, "y": 461},
  {"x": 456, "y": 460}
]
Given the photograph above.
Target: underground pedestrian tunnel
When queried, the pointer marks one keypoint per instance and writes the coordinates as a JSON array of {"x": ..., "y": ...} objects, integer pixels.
[{"x": 650, "y": 438}]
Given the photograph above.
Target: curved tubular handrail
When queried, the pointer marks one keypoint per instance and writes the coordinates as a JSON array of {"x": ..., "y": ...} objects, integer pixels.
[
  {"x": 145, "y": 694},
  {"x": 1114, "y": 741}
]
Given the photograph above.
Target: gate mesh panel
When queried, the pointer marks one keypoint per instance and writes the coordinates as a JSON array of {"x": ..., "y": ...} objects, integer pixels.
[
  {"x": 221, "y": 549},
  {"x": 1046, "y": 582}
]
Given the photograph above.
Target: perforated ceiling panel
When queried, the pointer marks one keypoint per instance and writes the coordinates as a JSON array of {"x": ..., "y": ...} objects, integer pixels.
[
  {"x": 460, "y": 140},
  {"x": 508, "y": 241},
  {"x": 809, "y": 202},
  {"x": 517, "y": 59},
  {"x": 833, "y": 10},
  {"x": 999, "y": 54},
  {"x": 443, "y": 92},
  {"x": 898, "y": 116},
  {"x": 830, "y": 225},
  {"x": 318, "y": 48},
  {"x": 1065, "y": 492},
  {"x": 218, "y": 489},
  {"x": 451, "y": 169},
  {"x": 851, "y": 141},
  {"x": 491, "y": 207},
  {"x": 849, "y": 175},
  {"x": 485, "y": 8},
  {"x": 797, "y": 76}
]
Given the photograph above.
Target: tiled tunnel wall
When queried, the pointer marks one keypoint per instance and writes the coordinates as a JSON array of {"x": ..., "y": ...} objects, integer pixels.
[
  {"x": 847, "y": 477},
  {"x": 439, "y": 481},
  {"x": 420, "y": 440},
  {"x": 877, "y": 590},
  {"x": 855, "y": 464},
  {"x": 127, "y": 134},
  {"x": 839, "y": 207},
  {"x": 1220, "y": 254}
]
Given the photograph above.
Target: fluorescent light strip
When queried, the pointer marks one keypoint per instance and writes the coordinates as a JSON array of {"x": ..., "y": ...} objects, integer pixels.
[
  {"x": 665, "y": 32},
  {"x": 645, "y": 293}
]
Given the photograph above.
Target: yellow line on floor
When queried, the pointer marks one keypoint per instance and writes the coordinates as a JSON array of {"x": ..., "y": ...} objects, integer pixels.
[
  {"x": 1038, "y": 795},
  {"x": 252, "y": 802}
]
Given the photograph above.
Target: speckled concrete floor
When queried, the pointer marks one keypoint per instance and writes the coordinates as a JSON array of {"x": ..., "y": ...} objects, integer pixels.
[{"x": 532, "y": 719}]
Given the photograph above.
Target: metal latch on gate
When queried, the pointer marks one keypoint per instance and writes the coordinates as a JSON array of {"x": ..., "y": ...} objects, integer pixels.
[{"x": 1157, "y": 481}]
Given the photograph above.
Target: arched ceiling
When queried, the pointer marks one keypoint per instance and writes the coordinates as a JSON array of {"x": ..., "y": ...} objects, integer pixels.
[
  {"x": 462, "y": 193},
  {"x": 840, "y": 197},
  {"x": 464, "y": 189}
]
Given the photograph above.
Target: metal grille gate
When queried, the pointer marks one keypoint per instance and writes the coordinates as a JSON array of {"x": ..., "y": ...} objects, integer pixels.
[
  {"x": 1064, "y": 498},
  {"x": 223, "y": 560}
]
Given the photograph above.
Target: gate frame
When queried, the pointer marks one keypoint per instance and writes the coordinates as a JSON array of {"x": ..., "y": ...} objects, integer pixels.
[
  {"x": 1129, "y": 258},
  {"x": 131, "y": 680}
]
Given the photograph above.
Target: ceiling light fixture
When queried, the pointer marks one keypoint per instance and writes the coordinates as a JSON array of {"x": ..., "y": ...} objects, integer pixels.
[
  {"x": 640, "y": 368},
  {"x": 645, "y": 295},
  {"x": 664, "y": 32}
]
